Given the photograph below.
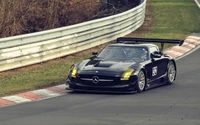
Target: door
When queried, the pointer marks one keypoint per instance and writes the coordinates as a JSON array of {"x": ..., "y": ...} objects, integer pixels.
[{"x": 156, "y": 67}]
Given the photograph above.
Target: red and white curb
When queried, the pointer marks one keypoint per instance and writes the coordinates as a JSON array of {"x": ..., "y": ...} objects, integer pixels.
[
  {"x": 35, "y": 95},
  {"x": 190, "y": 43}
]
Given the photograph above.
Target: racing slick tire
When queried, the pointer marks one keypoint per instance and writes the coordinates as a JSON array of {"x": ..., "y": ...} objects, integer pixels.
[
  {"x": 171, "y": 72},
  {"x": 141, "y": 84}
]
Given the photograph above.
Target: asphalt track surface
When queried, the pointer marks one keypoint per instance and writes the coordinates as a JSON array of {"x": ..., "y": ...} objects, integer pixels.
[{"x": 177, "y": 104}]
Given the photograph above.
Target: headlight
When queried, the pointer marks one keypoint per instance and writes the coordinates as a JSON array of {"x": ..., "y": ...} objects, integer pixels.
[
  {"x": 73, "y": 72},
  {"x": 126, "y": 75}
]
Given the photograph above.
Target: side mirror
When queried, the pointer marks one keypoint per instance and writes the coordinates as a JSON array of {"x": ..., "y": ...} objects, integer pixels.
[
  {"x": 156, "y": 55},
  {"x": 95, "y": 53}
]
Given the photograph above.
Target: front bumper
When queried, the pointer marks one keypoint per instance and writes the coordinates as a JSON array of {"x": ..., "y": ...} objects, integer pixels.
[{"x": 118, "y": 87}]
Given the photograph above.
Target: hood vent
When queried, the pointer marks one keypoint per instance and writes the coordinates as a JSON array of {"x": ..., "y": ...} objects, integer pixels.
[
  {"x": 103, "y": 64},
  {"x": 100, "y": 63}
]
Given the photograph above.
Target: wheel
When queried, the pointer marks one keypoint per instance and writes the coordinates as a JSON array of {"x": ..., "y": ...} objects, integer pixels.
[
  {"x": 141, "y": 84},
  {"x": 171, "y": 72}
]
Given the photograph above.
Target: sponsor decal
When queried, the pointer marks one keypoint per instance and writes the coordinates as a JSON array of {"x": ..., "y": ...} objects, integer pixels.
[{"x": 154, "y": 71}]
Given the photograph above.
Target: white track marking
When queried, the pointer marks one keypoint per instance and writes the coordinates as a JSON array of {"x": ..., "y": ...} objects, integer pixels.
[
  {"x": 181, "y": 48},
  {"x": 174, "y": 52},
  {"x": 16, "y": 99},
  {"x": 46, "y": 93}
]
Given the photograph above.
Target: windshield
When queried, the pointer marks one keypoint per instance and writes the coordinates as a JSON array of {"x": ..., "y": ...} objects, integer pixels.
[{"x": 124, "y": 53}]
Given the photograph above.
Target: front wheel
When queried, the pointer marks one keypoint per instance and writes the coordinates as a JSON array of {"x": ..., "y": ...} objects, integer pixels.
[
  {"x": 141, "y": 84},
  {"x": 171, "y": 72}
]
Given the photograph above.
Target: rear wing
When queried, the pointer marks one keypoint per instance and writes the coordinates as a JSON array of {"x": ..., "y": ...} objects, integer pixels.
[{"x": 128, "y": 40}]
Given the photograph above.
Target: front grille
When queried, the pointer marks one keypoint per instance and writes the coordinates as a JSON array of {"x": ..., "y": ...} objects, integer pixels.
[
  {"x": 100, "y": 76},
  {"x": 102, "y": 80}
]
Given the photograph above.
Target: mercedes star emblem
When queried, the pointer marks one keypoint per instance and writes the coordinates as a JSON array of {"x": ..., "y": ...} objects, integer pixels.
[{"x": 95, "y": 79}]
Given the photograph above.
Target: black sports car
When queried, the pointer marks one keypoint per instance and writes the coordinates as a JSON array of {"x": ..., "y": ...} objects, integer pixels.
[{"x": 126, "y": 66}]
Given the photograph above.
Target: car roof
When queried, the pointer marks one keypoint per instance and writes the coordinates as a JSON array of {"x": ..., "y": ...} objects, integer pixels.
[{"x": 134, "y": 45}]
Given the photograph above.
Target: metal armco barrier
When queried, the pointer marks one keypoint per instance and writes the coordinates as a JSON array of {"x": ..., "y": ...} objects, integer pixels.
[
  {"x": 23, "y": 50},
  {"x": 197, "y": 2}
]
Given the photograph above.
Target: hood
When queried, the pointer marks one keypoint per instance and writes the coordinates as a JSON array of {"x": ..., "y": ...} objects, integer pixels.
[{"x": 106, "y": 65}]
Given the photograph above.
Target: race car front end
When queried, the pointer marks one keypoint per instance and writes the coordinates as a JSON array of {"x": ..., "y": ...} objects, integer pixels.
[{"x": 102, "y": 81}]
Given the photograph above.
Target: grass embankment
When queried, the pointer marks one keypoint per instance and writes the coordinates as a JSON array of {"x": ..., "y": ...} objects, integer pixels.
[
  {"x": 35, "y": 77},
  {"x": 173, "y": 19}
]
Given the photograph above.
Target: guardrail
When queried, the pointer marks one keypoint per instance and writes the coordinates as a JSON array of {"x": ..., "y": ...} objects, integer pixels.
[
  {"x": 23, "y": 50},
  {"x": 197, "y": 2}
]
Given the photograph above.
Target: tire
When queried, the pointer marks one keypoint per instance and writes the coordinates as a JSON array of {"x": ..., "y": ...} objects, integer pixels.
[
  {"x": 171, "y": 72},
  {"x": 141, "y": 84}
]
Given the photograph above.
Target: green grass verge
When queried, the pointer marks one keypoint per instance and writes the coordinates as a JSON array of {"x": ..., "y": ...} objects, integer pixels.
[
  {"x": 174, "y": 19},
  {"x": 39, "y": 76}
]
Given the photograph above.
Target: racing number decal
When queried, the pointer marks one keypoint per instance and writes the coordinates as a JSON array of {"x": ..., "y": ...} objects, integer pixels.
[{"x": 154, "y": 71}]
